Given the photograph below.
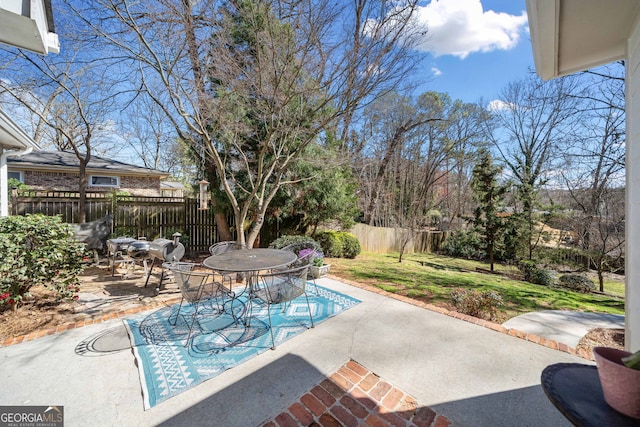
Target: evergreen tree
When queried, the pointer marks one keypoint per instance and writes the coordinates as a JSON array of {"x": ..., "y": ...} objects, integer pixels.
[{"x": 488, "y": 194}]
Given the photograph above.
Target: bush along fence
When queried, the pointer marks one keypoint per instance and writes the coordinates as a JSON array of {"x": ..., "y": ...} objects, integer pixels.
[{"x": 133, "y": 216}]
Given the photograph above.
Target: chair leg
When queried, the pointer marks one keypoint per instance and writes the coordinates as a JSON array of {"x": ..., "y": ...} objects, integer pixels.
[
  {"x": 273, "y": 342},
  {"x": 309, "y": 308},
  {"x": 178, "y": 313},
  {"x": 193, "y": 320}
]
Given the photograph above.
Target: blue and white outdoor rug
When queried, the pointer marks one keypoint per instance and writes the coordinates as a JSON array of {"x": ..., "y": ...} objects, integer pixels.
[{"x": 168, "y": 368}]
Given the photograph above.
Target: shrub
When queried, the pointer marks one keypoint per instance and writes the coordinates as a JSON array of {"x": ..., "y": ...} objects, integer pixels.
[
  {"x": 350, "y": 245},
  {"x": 38, "y": 250},
  {"x": 464, "y": 244},
  {"x": 339, "y": 244},
  {"x": 577, "y": 282},
  {"x": 534, "y": 274},
  {"x": 331, "y": 242},
  {"x": 283, "y": 241},
  {"x": 477, "y": 303}
]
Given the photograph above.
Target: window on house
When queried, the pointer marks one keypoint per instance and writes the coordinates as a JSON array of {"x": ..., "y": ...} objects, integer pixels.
[
  {"x": 15, "y": 175},
  {"x": 104, "y": 181}
]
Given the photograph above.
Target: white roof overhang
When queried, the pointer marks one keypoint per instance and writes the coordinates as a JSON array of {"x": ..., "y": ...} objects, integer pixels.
[
  {"x": 574, "y": 35},
  {"x": 28, "y": 24},
  {"x": 12, "y": 136}
]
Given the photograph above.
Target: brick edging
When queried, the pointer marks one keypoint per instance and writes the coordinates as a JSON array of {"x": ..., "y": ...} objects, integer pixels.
[
  {"x": 86, "y": 322},
  {"x": 552, "y": 344},
  {"x": 355, "y": 396}
]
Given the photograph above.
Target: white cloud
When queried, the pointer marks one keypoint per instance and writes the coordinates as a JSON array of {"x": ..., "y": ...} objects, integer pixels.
[
  {"x": 499, "y": 105},
  {"x": 436, "y": 72},
  {"x": 461, "y": 27}
]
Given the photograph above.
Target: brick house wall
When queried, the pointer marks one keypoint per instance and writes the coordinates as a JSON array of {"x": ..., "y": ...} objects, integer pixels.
[{"x": 59, "y": 181}]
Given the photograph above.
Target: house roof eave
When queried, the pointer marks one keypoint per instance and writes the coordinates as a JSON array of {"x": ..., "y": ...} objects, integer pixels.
[
  {"x": 12, "y": 136},
  {"x": 569, "y": 36},
  {"x": 60, "y": 161}
]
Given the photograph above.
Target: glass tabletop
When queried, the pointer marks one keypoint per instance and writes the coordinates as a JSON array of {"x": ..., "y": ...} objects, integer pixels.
[{"x": 246, "y": 260}]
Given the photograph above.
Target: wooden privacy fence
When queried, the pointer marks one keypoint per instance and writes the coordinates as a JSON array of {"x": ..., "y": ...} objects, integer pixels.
[
  {"x": 386, "y": 239},
  {"x": 133, "y": 216}
]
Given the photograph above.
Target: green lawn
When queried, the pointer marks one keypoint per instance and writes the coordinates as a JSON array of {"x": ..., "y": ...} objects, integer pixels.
[{"x": 430, "y": 278}]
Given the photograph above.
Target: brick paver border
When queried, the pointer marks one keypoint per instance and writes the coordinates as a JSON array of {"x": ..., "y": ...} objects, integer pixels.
[
  {"x": 91, "y": 320},
  {"x": 352, "y": 397}
]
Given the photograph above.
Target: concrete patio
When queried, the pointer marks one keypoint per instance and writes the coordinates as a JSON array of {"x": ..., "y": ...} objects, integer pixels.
[{"x": 470, "y": 375}]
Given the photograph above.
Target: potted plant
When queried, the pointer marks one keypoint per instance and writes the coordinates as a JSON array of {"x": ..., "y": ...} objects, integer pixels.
[
  {"x": 318, "y": 267},
  {"x": 619, "y": 373}
]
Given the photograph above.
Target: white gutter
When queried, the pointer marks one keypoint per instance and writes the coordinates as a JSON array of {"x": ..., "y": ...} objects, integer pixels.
[{"x": 4, "y": 173}]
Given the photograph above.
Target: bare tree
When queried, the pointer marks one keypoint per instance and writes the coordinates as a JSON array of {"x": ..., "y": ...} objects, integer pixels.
[
  {"x": 392, "y": 121},
  {"x": 595, "y": 161},
  {"x": 147, "y": 132},
  {"x": 411, "y": 147},
  {"x": 470, "y": 126},
  {"x": 532, "y": 118},
  {"x": 66, "y": 95},
  {"x": 251, "y": 84}
]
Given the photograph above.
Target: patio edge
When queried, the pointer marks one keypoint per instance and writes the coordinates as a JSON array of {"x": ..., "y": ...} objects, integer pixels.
[
  {"x": 552, "y": 344},
  {"x": 91, "y": 320}
]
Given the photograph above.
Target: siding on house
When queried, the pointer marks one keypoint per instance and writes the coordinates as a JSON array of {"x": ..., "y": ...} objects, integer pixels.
[
  {"x": 58, "y": 171},
  {"x": 632, "y": 203},
  {"x": 64, "y": 181}
]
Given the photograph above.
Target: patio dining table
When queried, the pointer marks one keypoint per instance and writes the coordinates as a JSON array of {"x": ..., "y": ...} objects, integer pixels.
[{"x": 251, "y": 262}]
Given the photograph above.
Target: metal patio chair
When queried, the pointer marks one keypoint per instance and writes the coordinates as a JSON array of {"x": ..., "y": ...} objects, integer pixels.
[
  {"x": 281, "y": 287},
  {"x": 309, "y": 252},
  {"x": 196, "y": 287},
  {"x": 222, "y": 248}
]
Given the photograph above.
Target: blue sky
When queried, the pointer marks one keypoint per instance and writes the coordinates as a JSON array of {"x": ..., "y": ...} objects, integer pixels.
[{"x": 475, "y": 47}]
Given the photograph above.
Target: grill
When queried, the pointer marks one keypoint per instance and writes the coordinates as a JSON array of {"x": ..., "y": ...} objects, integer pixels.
[
  {"x": 138, "y": 249},
  {"x": 164, "y": 250},
  {"x": 119, "y": 245},
  {"x": 127, "y": 250}
]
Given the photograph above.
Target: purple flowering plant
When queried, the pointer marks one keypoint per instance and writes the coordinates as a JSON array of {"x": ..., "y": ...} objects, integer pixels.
[{"x": 316, "y": 258}]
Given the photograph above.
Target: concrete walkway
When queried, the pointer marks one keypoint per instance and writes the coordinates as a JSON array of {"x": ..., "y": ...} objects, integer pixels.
[
  {"x": 563, "y": 326},
  {"x": 469, "y": 374}
]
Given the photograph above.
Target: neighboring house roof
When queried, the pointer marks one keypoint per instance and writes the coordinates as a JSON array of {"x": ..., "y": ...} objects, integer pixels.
[
  {"x": 574, "y": 35},
  {"x": 63, "y": 161},
  {"x": 171, "y": 185}
]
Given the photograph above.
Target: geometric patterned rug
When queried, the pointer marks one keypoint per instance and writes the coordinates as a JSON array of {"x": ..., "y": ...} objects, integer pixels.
[{"x": 168, "y": 368}]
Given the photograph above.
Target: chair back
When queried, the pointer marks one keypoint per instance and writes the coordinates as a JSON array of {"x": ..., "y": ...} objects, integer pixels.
[
  {"x": 284, "y": 285},
  {"x": 190, "y": 282},
  {"x": 224, "y": 247}
]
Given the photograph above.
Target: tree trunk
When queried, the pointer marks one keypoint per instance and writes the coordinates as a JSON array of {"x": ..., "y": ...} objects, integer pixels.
[
  {"x": 222, "y": 225},
  {"x": 491, "y": 261},
  {"x": 254, "y": 233},
  {"x": 82, "y": 190},
  {"x": 601, "y": 279}
]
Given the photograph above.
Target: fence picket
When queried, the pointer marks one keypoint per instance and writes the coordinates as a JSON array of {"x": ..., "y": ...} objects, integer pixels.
[{"x": 133, "y": 216}]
